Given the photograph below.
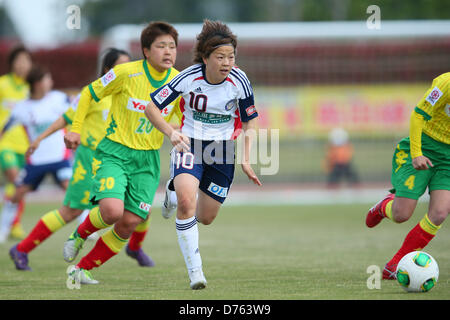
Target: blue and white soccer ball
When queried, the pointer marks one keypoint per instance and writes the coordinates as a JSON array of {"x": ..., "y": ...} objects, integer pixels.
[{"x": 417, "y": 272}]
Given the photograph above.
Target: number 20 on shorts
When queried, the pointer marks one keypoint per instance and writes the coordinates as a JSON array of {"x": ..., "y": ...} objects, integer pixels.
[{"x": 106, "y": 183}]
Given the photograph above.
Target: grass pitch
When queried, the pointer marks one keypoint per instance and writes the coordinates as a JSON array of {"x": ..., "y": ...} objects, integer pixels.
[{"x": 249, "y": 253}]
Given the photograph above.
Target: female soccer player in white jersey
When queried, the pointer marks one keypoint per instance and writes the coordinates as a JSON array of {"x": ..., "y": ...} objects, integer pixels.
[
  {"x": 216, "y": 98},
  {"x": 35, "y": 114}
]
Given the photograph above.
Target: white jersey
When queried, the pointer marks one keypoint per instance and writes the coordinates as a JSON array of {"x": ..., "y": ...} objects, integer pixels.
[
  {"x": 36, "y": 116},
  {"x": 210, "y": 111}
]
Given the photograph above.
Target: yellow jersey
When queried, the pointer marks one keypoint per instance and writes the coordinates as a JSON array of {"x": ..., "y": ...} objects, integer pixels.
[
  {"x": 129, "y": 85},
  {"x": 12, "y": 90},
  {"x": 432, "y": 114}
]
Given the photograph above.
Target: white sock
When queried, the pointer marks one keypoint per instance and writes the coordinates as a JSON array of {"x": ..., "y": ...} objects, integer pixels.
[
  {"x": 187, "y": 231},
  {"x": 7, "y": 218}
]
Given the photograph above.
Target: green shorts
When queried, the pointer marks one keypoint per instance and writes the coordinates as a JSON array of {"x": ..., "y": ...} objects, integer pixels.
[
  {"x": 127, "y": 174},
  {"x": 10, "y": 159},
  {"x": 78, "y": 191},
  {"x": 411, "y": 183}
]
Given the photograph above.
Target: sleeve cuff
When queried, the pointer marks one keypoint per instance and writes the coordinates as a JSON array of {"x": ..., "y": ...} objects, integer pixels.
[{"x": 94, "y": 96}]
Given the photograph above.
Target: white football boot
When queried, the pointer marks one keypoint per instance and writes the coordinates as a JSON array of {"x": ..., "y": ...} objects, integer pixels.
[
  {"x": 170, "y": 202},
  {"x": 197, "y": 278},
  {"x": 79, "y": 276}
]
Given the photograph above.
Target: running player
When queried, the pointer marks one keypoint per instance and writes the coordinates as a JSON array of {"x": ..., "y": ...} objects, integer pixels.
[
  {"x": 126, "y": 162},
  {"x": 77, "y": 194},
  {"x": 13, "y": 89},
  {"x": 420, "y": 161},
  {"x": 216, "y": 98},
  {"x": 36, "y": 114}
]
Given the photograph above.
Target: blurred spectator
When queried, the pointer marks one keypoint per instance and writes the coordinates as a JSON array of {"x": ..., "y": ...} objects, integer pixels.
[{"x": 338, "y": 161}]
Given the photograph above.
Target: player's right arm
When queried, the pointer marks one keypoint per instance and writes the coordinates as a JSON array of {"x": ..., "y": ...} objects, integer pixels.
[
  {"x": 178, "y": 140},
  {"x": 424, "y": 112}
]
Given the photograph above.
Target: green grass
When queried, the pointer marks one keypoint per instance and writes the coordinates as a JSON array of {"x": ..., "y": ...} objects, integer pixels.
[{"x": 274, "y": 253}]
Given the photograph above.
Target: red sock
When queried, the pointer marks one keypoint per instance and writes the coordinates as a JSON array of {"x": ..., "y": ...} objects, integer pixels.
[
  {"x": 417, "y": 239},
  {"x": 19, "y": 213},
  {"x": 97, "y": 256},
  {"x": 136, "y": 240},
  {"x": 86, "y": 228},
  {"x": 39, "y": 233}
]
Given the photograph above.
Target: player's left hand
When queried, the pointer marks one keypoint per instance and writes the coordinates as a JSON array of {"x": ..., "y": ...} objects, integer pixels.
[
  {"x": 247, "y": 168},
  {"x": 421, "y": 163}
]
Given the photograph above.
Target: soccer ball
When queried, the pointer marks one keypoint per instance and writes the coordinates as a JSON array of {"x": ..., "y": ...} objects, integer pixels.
[{"x": 417, "y": 272}]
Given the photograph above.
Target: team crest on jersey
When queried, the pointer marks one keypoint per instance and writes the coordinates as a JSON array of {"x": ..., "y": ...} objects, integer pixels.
[
  {"x": 434, "y": 96},
  {"x": 108, "y": 77},
  {"x": 250, "y": 110},
  {"x": 163, "y": 94},
  {"x": 230, "y": 105}
]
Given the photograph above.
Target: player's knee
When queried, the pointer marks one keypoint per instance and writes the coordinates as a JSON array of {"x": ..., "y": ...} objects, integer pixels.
[
  {"x": 438, "y": 215},
  {"x": 110, "y": 212},
  {"x": 186, "y": 204},
  {"x": 401, "y": 215},
  {"x": 69, "y": 214}
]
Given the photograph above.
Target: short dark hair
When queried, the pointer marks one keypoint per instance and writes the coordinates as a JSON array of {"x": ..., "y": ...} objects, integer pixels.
[
  {"x": 36, "y": 74},
  {"x": 154, "y": 30},
  {"x": 14, "y": 53},
  {"x": 109, "y": 59},
  {"x": 213, "y": 34}
]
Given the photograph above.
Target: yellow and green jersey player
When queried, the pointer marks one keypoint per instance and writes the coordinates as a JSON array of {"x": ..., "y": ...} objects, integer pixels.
[
  {"x": 420, "y": 161},
  {"x": 14, "y": 143},
  {"x": 77, "y": 193},
  {"x": 126, "y": 174}
]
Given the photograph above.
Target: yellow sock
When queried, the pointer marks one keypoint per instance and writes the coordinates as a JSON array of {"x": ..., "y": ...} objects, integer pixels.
[
  {"x": 428, "y": 226},
  {"x": 388, "y": 210},
  {"x": 53, "y": 220},
  {"x": 96, "y": 219},
  {"x": 113, "y": 241},
  {"x": 143, "y": 226}
]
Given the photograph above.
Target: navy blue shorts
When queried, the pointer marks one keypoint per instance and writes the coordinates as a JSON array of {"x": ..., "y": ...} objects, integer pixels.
[
  {"x": 33, "y": 175},
  {"x": 211, "y": 162}
]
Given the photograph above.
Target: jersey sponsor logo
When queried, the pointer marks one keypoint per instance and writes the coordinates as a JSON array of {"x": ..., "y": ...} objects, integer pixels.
[
  {"x": 230, "y": 105},
  {"x": 199, "y": 90},
  {"x": 218, "y": 190},
  {"x": 434, "y": 96},
  {"x": 250, "y": 110},
  {"x": 108, "y": 77},
  {"x": 145, "y": 206},
  {"x": 135, "y": 75},
  {"x": 211, "y": 118},
  {"x": 137, "y": 105},
  {"x": 447, "y": 109},
  {"x": 166, "y": 111},
  {"x": 163, "y": 94}
]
